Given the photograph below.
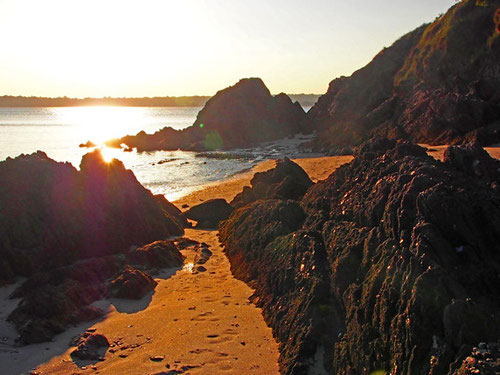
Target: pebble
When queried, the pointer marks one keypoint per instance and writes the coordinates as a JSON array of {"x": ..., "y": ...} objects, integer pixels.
[{"x": 157, "y": 358}]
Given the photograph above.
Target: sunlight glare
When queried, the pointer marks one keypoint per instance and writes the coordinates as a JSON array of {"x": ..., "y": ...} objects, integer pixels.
[{"x": 99, "y": 124}]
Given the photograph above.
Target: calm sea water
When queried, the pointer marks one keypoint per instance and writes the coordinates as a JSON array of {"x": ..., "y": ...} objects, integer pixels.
[{"x": 59, "y": 131}]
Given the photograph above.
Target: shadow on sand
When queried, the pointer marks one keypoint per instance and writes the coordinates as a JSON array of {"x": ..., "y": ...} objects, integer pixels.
[{"x": 16, "y": 359}]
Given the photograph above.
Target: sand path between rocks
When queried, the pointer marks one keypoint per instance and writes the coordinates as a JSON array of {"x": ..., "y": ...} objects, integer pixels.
[{"x": 196, "y": 323}]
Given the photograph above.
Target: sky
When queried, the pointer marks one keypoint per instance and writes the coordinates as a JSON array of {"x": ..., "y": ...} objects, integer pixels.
[{"x": 95, "y": 48}]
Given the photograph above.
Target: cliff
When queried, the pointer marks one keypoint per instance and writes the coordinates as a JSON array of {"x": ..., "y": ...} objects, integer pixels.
[{"x": 439, "y": 84}]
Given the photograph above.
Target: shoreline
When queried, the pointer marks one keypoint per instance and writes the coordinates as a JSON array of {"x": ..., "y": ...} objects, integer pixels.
[
  {"x": 229, "y": 297},
  {"x": 195, "y": 309},
  {"x": 318, "y": 168}
]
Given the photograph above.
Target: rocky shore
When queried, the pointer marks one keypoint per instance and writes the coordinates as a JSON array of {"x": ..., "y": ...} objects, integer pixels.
[
  {"x": 390, "y": 264},
  {"x": 74, "y": 234}
]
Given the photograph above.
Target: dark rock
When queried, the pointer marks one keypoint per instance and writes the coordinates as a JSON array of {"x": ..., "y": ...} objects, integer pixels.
[
  {"x": 69, "y": 231},
  {"x": 172, "y": 212},
  {"x": 393, "y": 265},
  {"x": 54, "y": 299},
  {"x": 53, "y": 215},
  {"x": 201, "y": 269},
  {"x": 239, "y": 116},
  {"x": 202, "y": 255},
  {"x": 91, "y": 346},
  {"x": 185, "y": 242},
  {"x": 286, "y": 181},
  {"x": 483, "y": 359},
  {"x": 158, "y": 254},
  {"x": 473, "y": 160},
  {"x": 439, "y": 84},
  {"x": 208, "y": 214},
  {"x": 132, "y": 284}
]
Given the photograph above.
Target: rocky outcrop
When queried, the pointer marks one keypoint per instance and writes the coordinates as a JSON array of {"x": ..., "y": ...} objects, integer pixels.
[
  {"x": 54, "y": 298},
  {"x": 242, "y": 115},
  {"x": 439, "y": 84},
  {"x": 71, "y": 231},
  {"x": 158, "y": 254},
  {"x": 132, "y": 284},
  {"x": 52, "y": 215},
  {"x": 208, "y": 214},
  {"x": 286, "y": 181},
  {"x": 390, "y": 264}
]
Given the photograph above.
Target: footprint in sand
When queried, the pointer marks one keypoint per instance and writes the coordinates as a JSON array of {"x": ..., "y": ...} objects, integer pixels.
[
  {"x": 202, "y": 317},
  {"x": 199, "y": 351},
  {"x": 216, "y": 339},
  {"x": 230, "y": 331},
  {"x": 209, "y": 299},
  {"x": 225, "y": 366}
]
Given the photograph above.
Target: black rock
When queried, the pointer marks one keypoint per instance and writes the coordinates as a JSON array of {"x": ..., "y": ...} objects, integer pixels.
[
  {"x": 286, "y": 181},
  {"x": 393, "y": 263},
  {"x": 208, "y": 214}
]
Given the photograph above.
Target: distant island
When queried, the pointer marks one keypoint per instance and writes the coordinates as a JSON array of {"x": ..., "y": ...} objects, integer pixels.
[{"x": 306, "y": 100}]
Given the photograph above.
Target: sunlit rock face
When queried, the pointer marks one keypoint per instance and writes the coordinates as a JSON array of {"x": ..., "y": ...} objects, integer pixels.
[
  {"x": 438, "y": 84},
  {"x": 239, "y": 116},
  {"x": 390, "y": 264},
  {"x": 52, "y": 214}
]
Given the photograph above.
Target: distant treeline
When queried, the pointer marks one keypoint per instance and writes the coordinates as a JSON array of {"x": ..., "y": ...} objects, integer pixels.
[
  {"x": 168, "y": 101},
  {"x": 306, "y": 100}
]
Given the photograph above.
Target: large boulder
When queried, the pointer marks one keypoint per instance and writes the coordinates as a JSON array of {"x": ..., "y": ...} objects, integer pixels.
[
  {"x": 242, "y": 115},
  {"x": 393, "y": 265},
  {"x": 439, "y": 84},
  {"x": 286, "y": 181},
  {"x": 52, "y": 214},
  {"x": 208, "y": 214}
]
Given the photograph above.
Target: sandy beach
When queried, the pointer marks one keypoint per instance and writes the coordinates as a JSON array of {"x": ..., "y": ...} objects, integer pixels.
[{"x": 194, "y": 322}]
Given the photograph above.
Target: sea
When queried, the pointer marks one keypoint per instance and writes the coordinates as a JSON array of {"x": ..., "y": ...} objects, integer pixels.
[{"x": 60, "y": 131}]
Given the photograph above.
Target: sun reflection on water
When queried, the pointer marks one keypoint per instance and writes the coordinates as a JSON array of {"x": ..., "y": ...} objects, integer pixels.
[{"x": 101, "y": 123}]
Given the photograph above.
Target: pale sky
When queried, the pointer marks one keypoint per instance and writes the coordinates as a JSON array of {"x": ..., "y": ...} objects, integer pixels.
[{"x": 194, "y": 47}]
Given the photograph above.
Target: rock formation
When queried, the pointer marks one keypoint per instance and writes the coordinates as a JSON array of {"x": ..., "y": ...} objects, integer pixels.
[
  {"x": 90, "y": 346},
  {"x": 52, "y": 214},
  {"x": 242, "y": 115},
  {"x": 132, "y": 284},
  {"x": 70, "y": 231},
  {"x": 208, "y": 214},
  {"x": 286, "y": 181},
  {"x": 438, "y": 84},
  {"x": 390, "y": 264}
]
